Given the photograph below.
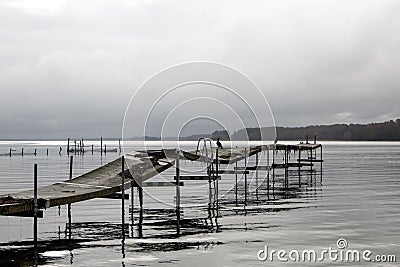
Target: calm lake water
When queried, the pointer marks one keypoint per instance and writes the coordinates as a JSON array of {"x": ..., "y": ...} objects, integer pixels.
[{"x": 358, "y": 199}]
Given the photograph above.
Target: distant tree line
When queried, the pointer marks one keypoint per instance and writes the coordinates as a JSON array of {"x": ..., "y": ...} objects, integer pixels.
[{"x": 380, "y": 131}]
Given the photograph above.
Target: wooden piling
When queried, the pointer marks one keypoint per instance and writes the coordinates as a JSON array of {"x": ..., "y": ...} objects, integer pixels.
[
  {"x": 257, "y": 175},
  {"x": 10, "y": 152},
  {"x": 69, "y": 205},
  {"x": 321, "y": 164},
  {"x": 35, "y": 206},
  {"x": 268, "y": 172},
  {"x": 216, "y": 180},
  {"x": 105, "y": 149},
  {"x": 22, "y": 152},
  {"x": 273, "y": 168},
  {"x": 132, "y": 202},
  {"x": 92, "y": 149},
  {"x": 178, "y": 193},
  {"x": 68, "y": 147},
  {"x": 236, "y": 183},
  {"x": 245, "y": 177},
  {"x": 35, "y": 152},
  {"x": 122, "y": 196},
  {"x": 47, "y": 152},
  {"x": 299, "y": 168},
  {"x": 101, "y": 145},
  {"x": 119, "y": 145}
]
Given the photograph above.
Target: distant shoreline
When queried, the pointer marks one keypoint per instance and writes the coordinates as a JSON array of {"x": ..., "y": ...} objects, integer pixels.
[{"x": 382, "y": 131}]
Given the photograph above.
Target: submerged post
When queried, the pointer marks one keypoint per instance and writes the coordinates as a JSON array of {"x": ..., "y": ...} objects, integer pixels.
[
  {"x": 178, "y": 193},
  {"x": 101, "y": 145},
  {"x": 132, "y": 201},
  {"x": 299, "y": 162},
  {"x": 273, "y": 168},
  {"x": 216, "y": 178},
  {"x": 69, "y": 205},
  {"x": 68, "y": 147},
  {"x": 35, "y": 206},
  {"x": 257, "y": 175},
  {"x": 236, "y": 183},
  {"x": 269, "y": 169},
  {"x": 123, "y": 196},
  {"x": 245, "y": 176},
  {"x": 321, "y": 164}
]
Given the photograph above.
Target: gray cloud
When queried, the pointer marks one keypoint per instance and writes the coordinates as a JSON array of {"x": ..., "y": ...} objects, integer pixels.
[{"x": 69, "y": 68}]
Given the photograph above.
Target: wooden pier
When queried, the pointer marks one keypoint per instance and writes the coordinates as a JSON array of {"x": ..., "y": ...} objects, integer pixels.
[{"x": 135, "y": 168}]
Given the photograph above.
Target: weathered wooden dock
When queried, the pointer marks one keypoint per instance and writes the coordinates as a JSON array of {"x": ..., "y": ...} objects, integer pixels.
[{"x": 135, "y": 168}]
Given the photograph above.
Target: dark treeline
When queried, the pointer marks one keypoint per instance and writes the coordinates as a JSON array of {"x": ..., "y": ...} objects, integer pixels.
[{"x": 382, "y": 131}]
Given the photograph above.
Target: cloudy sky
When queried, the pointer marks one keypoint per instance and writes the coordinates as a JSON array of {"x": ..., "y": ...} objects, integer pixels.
[{"x": 69, "y": 68}]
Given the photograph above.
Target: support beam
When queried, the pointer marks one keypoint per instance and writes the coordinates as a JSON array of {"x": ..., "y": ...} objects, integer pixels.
[
  {"x": 178, "y": 193},
  {"x": 69, "y": 205},
  {"x": 35, "y": 206},
  {"x": 245, "y": 177},
  {"x": 122, "y": 196}
]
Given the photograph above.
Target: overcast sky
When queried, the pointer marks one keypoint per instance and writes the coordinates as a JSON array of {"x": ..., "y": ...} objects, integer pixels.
[{"x": 69, "y": 68}]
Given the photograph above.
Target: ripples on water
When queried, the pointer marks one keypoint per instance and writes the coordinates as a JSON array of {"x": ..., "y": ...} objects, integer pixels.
[{"x": 358, "y": 200}]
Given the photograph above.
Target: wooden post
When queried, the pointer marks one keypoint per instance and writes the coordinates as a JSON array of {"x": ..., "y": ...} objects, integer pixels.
[
  {"x": 236, "y": 183},
  {"x": 321, "y": 164},
  {"x": 245, "y": 176},
  {"x": 105, "y": 149},
  {"x": 123, "y": 196},
  {"x": 35, "y": 206},
  {"x": 257, "y": 175},
  {"x": 268, "y": 171},
  {"x": 10, "y": 152},
  {"x": 83, "y": 146},
  {"x": 315, "y": 138},
  {"x": 92, "y": 149},
  {"x": 299, "y": 162},
  {"x": 311, "y": 163},
  {"x": 22, "y": 152},
  {"x": 178, "y": 193},
  {"x": 47, "y": 152},
  {"x": 101, "y": 145},
  {"x": 35, "y": 152},
  {"x": 140, "y": 222},
  {"x": 216, "y": 178},
  {"x": 68, "y": 147},
  {"x": 286, "y": 168},
  {"x": 273, "y": 168},
  {"x": 75, "y": 147},
  {"x": 119, "y": 145},
  {"x": 132, "y": 201},
  {"x": 69, "y": 205},
  {"x": 140, "y": 193}
]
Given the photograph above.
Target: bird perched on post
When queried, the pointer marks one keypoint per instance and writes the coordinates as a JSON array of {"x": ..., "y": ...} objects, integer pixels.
[{"x": 219, "y": 143}]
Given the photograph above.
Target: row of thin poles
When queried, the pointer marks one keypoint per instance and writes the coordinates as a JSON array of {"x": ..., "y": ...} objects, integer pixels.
[{"x": 78, "y": 148}]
